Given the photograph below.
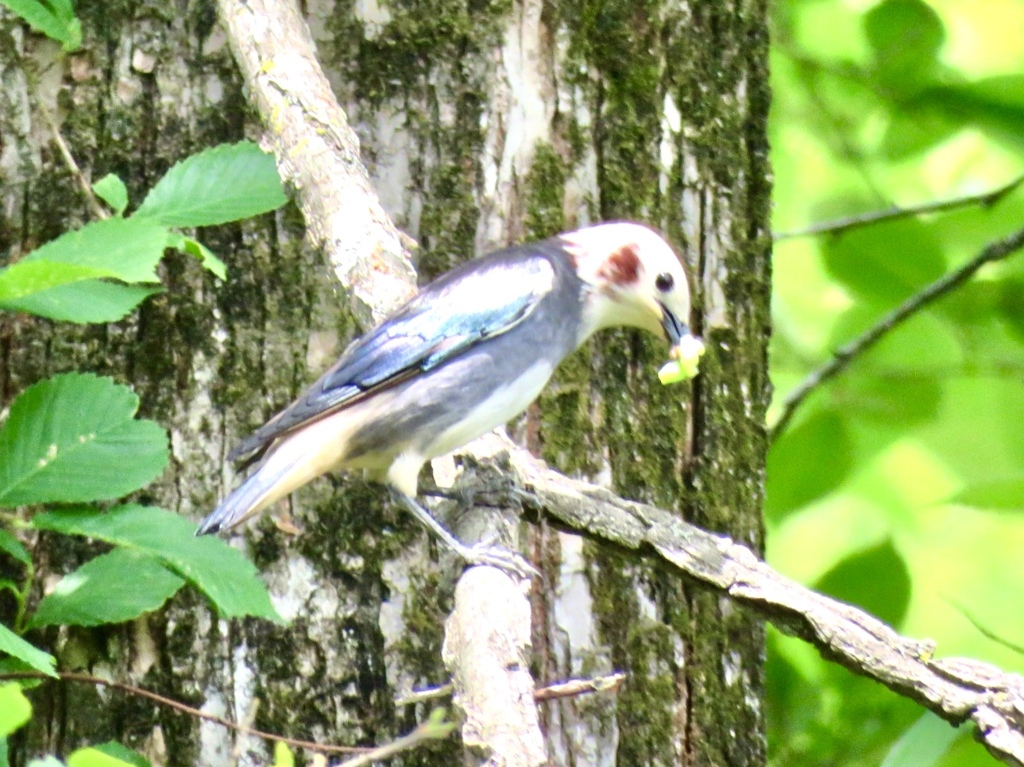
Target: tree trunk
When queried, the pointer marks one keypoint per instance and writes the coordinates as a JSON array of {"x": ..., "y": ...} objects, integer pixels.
[{"x": 482, "y": 125}]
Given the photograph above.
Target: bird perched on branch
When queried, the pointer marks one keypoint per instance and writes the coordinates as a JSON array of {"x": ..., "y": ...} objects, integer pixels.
[{"x": 473, "y": 349}]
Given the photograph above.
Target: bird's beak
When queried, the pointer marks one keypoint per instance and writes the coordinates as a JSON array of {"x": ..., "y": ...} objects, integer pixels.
[{"x": 675, "y": 329}]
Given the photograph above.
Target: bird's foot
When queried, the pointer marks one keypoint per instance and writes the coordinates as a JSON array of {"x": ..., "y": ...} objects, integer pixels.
[{"x": 487, "y": 555}]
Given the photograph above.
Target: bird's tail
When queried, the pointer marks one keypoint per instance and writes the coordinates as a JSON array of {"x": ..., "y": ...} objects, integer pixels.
[{"x": 257, "y": 492}]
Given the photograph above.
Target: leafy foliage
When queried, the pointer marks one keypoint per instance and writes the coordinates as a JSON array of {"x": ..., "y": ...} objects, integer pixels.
[
  {"x": 222, "y": 184},
  {"x": 84, "y": 597},
  {"x": 897, "y": 484},
  {"x": 219, "y": 571},
  {"x": 74, "y": 438},
  {"x": 54, "y": 18}
]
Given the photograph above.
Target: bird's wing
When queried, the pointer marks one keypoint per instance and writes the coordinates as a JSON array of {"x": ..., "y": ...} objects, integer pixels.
[{"x": 479, "y": 300}]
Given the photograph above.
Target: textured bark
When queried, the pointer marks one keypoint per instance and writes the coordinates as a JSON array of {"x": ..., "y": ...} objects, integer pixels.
[{"x": 480, "y": 126}]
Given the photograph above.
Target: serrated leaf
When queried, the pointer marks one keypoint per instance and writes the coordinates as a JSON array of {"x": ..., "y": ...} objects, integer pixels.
[
  {"x": 208, "y": 258},
  {"x": 96, "y": 592},
  {"x": 113, "y": 192},
  {"x": 86, "y": 301},
  {"x": 15, "y": 709},
  {"x": 74, "y": 438},
  {"x": 94, "y": 757},
  {"x": 924, "y": 744},
  {"x": 27, "y": 277},
  {"x": 216, "y": 569},
  {"x": 14, "y": 645},
  {"x": 226, "y": 183},
  {"x": 55, "y": 19},
  {"x": 126, "y": 249},
  {"x": 10, "y": 545}
]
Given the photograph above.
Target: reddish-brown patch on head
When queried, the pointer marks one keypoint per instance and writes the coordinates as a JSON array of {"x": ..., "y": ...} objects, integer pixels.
[{"x": 622, "y": 267}]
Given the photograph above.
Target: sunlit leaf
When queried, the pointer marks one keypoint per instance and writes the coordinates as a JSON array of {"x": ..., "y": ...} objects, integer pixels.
[
  {"x": 225, "y": 183},
  {"x": 94, "y": 757},
  {"x": 126, "y": 249},
  {"x": 1001, "y": 494},
  {"x": 216, "y": 569},
  {"x": 14, "y": 645},
  {"x": 54, "y": 18},
  {"x": 113, "y": 192},
  {"x": 95, "y": 594},
  {"x": 74, "y": 437},
  {"x": 86, "y": 301},
  {"x": 15, "y": 709}
]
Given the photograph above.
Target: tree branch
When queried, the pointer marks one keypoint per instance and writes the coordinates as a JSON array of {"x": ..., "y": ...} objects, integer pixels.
[
  {"x": 184, "y": 708},
  {"x": 841, "y": 225},
  {"x": 318, "y": 154},
  {"x": 994, "y": 251},
  {"x": 957, "y": 689}
]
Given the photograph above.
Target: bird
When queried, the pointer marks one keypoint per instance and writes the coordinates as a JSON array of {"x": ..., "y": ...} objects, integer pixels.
[{"x": 465, "y": 355}]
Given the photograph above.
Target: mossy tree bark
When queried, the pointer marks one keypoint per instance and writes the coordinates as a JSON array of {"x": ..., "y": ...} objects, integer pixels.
[{"x": 482, "y": 124}]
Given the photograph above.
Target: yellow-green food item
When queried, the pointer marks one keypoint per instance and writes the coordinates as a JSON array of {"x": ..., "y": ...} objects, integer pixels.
[{"x": 685, "y": 358}]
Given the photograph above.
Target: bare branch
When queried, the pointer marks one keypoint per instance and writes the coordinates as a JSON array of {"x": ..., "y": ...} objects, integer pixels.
[
  {"x": 184, "y": 708},
  {"x": 69, "y": 160},
  {"x": 957, "y": 689},
  {"x": 318, "y": 154},
  {"x": 841, "y": 225},
  {"x": 994, "y": 251}
]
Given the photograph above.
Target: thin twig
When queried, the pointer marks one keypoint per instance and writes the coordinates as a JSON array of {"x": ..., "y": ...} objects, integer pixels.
[
  {"x": 985, "y": 631},
  {"x": 837, "y": 227},
  {"x": 71, "y": 676},
  {"x": 994, "y": 251},
  {"x": 69, "y": 159},
  {"x": 575, "y": 687},
  {"x": 419, "y": 696},
  {"x": 435, "y": 728}
]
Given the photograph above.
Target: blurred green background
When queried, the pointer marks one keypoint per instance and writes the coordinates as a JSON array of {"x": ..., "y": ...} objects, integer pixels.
[{"x": 899, "y": 485}]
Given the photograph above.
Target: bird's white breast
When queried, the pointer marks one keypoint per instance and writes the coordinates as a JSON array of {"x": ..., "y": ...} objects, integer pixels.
[{"x": 503, "y": 404}]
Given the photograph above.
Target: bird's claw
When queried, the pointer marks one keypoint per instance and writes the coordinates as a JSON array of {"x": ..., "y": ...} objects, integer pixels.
[{"x": 496, "y": 556}]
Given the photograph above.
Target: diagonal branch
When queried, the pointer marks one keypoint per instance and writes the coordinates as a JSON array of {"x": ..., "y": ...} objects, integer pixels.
[
  {"x": 994, "y": 251},
  {"x": 957, "y": 689},
  {"x": 841, "y": 225}
]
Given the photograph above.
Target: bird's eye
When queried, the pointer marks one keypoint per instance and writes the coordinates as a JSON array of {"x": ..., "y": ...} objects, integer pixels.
[{"x": 664, "y": 282}]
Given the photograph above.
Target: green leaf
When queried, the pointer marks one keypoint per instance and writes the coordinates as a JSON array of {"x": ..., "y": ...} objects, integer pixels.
[
  {"x": 125, "y": 754},
  {"x": 126, "y": 249},
  {"x": 113, "y": 192},
  {"x": 14, "y": 645},
  {"x": 283, "y": 756},
  {"x": 74, "y": 438},
  {"x": 208, "y": 258},
  {"x": 54, "y": 18},
  {"x": 96, "y": 592},
  {"x": 86, "y": 301},
  {"x": 1001, "y": 494},
  {"x": 906, "y": 37},
  {"x": 876, "y": 579},
  {"x": 94, "y": 757},
  {"x": 15, "y": 709},
  {"x": 9, "y": 544},
  {"x": 216, "y": 569},
  {"x": 27, "y": 277},
  {"x": 886, "y": 263},
  {"x": 226, "y": 183},
  {"x": 807, "y": 462},
  {"x": 924, "y": 744}
]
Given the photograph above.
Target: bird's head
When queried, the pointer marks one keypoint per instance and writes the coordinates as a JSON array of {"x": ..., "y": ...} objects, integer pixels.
[{"x": 634, "y": 278}]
